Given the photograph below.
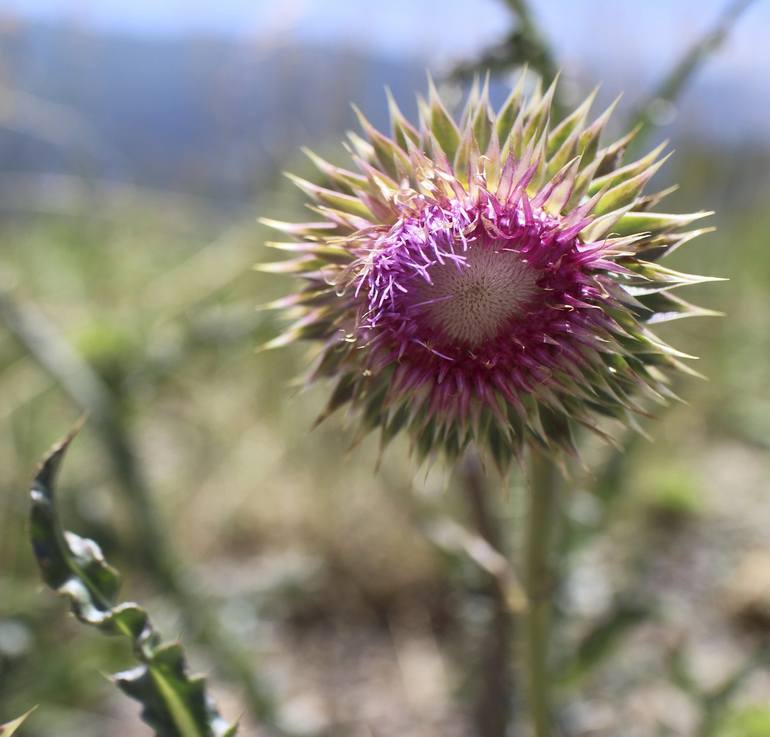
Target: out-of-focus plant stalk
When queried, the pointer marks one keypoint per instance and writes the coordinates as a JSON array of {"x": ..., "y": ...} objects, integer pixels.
[
  {"x": 496, "y": 688},
  {"x": 682, "y": 72},
  {"x": 543, "y": 491},
  {"x": 543, "y": 59},
  {"x": 75, "y": 376},
  {"x": 52, "y": 352},
  {"x": 525, "y": 44}
]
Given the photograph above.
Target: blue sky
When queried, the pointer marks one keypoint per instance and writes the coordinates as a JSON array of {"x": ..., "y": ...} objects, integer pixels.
[
  {"x": 654, "y": 28},
  {"x": 616, "y": 39}
]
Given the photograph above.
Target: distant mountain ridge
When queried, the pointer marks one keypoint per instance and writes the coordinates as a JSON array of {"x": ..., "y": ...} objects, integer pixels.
[
  {"x": 216, "y": 116},
  {"x": 201, "y": 115}
]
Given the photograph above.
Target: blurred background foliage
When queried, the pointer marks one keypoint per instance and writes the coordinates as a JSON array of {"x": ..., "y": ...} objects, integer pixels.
[{"x": 136, "y": 152}]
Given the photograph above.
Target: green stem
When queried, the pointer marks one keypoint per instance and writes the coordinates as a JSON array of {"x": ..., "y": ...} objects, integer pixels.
[{"x": 544, "y": 483}]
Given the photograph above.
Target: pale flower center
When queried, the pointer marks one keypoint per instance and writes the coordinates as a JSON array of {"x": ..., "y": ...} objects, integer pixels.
[{"x": 470, "y": 302}]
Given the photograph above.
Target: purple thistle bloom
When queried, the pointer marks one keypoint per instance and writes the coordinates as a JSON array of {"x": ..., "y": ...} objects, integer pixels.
[{"x": 491, "y": 282}]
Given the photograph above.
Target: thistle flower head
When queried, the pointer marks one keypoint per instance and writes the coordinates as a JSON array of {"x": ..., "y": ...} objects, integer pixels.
[{"x": 492, "y": 281}]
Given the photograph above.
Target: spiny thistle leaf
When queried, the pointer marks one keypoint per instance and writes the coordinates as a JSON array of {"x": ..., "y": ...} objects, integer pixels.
[
  {"x": 490, "y": 280},
  {"x": 174, "y": 703}
]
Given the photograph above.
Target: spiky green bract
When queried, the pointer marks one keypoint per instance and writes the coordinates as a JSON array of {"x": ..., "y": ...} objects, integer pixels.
[
  {"x": 489, "y": 281},
  {"x": 10, "y": 728}
]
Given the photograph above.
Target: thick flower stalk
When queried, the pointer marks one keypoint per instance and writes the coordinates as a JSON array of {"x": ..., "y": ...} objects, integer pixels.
[{"x": 490, "y": 281}]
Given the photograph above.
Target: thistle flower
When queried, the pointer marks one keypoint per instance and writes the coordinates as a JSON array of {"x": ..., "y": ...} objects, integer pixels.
[{"x": 492, "y": 281}]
